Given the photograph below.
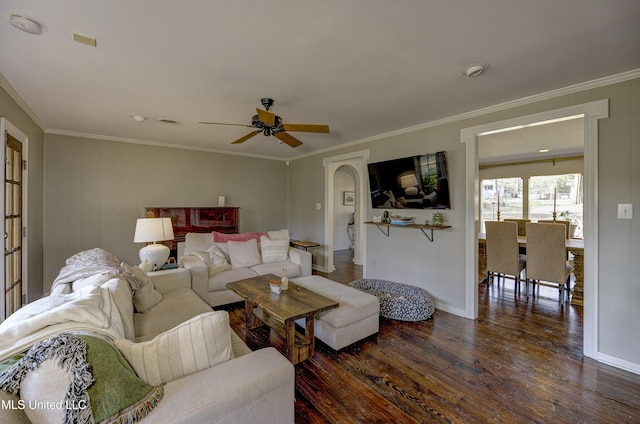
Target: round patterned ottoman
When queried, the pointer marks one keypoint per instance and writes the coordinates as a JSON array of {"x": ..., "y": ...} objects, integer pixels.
[{"x": 398, "y": 301}]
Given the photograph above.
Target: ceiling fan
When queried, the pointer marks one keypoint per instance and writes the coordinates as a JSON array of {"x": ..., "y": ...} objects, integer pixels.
[{"x": 269, "y": 123}]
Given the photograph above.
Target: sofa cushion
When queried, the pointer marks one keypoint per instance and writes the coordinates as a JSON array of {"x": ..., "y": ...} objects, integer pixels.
[
  {"x": 244, "y": 254},
  {"x": 146, "y": 296},
  {"x": 355, "y": 305},
  {"x": 198, "y": 344},
  {"x": 274, "y": 250},
  {"x": 220, "y": 281},
  {"x": 176, "y": 307},
  {"x": 293, "y": 270},
  {"x": 197, "y": 241}
]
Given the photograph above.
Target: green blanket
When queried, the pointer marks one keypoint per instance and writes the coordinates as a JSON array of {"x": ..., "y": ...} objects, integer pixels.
[{"x": 101, "y": 378}]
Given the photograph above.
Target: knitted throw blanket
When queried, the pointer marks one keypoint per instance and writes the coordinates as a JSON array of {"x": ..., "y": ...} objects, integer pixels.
[{"x": 100, "y": 378}]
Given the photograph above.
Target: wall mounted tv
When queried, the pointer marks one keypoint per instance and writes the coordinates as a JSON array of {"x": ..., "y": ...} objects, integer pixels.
[{"x": 415, "y": 182}]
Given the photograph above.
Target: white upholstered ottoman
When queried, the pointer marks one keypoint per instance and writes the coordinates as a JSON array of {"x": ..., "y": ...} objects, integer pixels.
[{"x": 357, "y": 317}]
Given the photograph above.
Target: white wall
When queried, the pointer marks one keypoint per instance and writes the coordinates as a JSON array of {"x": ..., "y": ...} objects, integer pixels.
[
  {"x": 407, "y": 256},
  {"x": 96, "y": 189}
]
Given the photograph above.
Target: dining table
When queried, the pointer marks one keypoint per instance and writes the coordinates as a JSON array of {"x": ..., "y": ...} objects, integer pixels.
[{"x": 572, "y": 245}]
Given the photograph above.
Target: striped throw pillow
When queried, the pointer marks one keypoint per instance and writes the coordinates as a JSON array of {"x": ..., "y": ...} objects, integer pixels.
[
  {"x": 194, "y": 345},
  {"x": 274, "y": 250}
]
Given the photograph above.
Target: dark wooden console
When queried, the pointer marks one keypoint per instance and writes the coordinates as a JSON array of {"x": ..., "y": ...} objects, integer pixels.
[{"x": 197, "y": 220}]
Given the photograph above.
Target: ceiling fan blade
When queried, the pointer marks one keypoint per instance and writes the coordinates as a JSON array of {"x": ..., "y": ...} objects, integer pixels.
[
  {"x": 220, "y": 123},
  {"x": 266, "y": 117},
  {"x": 246, "y": 137},
  {"x": 287, "y": 138},
  {"x": 315, "y": 128}
]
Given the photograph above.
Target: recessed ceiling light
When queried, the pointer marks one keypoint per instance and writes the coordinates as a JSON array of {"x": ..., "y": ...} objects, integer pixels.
[
  {"x": 476, "y": 69},
  {"x": 25, "y": 24},
  {"x": 139, "y": 118},
  {"x": 543, "y": 150}
]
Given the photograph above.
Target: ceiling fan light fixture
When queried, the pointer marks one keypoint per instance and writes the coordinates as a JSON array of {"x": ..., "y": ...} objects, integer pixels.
[{"x": 25, "y": 24}]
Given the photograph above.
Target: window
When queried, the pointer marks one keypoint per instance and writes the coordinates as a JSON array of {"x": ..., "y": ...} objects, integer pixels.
[
  {"x": 510, "y": 193},
  {"x": 567, "y": 190}
]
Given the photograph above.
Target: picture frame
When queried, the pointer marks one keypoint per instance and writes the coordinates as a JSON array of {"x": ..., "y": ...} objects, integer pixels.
[{"x": 348, "y": 198}]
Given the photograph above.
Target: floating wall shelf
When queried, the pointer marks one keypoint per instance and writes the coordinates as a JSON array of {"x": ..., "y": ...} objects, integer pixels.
[{"x": 427, "y": 230}]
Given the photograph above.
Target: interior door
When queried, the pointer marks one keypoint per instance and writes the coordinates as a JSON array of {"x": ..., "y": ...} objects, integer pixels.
[{"x": 13, "y": 226}]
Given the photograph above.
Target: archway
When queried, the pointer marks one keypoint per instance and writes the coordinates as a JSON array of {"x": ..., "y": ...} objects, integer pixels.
[{"x": 357, "y": 162}]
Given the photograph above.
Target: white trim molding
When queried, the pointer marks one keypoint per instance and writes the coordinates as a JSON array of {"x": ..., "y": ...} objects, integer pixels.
[{"x": 592, "y": 112}]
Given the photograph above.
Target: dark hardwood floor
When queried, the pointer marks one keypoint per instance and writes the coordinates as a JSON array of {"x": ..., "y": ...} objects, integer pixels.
[{"x": 519, "y": 362}]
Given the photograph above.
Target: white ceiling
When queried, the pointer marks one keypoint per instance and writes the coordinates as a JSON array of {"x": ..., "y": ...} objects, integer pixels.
[{"x": 364, "y": 67}]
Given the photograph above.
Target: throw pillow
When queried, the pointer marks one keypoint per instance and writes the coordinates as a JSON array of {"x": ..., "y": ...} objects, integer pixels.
[
  {"x": 243, "y": 254},
  {"x": 195, "y": 345},
  {"x": 224, "y": 238},
  {"x": 197, "y": 241},
  {"x": 146, "y": 295},
  {"x": 279, "y": 235},
  {"x": 219, "y": 261},
  {"x": 274, "y": 250},
  {"x": 203, "y": 256}
]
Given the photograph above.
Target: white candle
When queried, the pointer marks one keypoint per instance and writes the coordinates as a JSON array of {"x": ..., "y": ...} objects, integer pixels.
[
  {"x": 554, "y": 200},
  {"x": 498, "y": 200}
]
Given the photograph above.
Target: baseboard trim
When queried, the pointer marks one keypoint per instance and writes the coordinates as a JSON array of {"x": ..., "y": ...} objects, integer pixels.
[{"x": 623, "y": 364}]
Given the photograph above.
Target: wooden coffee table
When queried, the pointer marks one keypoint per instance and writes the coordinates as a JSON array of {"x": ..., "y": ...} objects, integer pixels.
[{"x": 280, "y": 311}]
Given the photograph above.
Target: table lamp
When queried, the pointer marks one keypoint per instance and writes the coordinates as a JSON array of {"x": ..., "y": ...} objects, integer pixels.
[
  {"x": 153, "y": 230},
  {"x": 409, "y": 183}
]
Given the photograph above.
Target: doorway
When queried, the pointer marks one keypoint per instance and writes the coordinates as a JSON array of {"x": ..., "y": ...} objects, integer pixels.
[
  {"x": 355, "y": 164},
  {"x": 14, "y": 222},
  {"x": 592, "y": 113}
]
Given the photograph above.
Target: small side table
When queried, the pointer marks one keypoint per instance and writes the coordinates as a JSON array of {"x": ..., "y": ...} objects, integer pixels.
[{"x": 304, "y": 245}]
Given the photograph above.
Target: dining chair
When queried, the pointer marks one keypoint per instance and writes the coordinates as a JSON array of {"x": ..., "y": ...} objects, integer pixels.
[
  {"x": 522, "y": 232},
  {"x": 502, "y": 251},
  {"x": 565, "y": 223},
  {"x": 546, "y": 257}
]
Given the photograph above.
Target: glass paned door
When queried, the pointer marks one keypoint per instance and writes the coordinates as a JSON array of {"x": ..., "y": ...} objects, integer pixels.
[{"x": 12, "y": 226}]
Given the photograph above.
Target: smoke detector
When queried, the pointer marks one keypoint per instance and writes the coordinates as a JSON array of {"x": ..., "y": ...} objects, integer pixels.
[
  {"x": 476, "y": 69},
  {"x": 25, "y": 24}
]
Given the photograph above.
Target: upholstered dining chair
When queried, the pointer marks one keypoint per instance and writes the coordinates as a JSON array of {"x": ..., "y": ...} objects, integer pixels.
[
  {"x": 502, "y": 251},
  {"x": 546, "y": 257},
  {"x": 565, "y": 223},
  {"x": 522, "y": 230}
]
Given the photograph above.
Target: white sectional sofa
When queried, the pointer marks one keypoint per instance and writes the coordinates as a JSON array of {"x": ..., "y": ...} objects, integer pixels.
[
  {"x": 215, "y": 259},
  {"x": 256, "y": 387}
]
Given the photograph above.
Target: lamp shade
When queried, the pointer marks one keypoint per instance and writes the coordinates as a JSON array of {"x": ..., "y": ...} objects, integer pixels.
[
  {"x": 153, "y": 230},
  {"x": 409, "y": 180}
]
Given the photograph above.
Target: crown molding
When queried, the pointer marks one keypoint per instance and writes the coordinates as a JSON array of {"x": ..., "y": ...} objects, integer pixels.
[
  {"x": 6, "y": 86},
  {"x": 589, "y": 85},
  {"x": 156, "y": 144}
]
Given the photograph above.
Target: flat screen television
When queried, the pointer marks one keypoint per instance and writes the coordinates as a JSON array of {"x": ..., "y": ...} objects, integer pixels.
[{"x": 414, "y": 182}]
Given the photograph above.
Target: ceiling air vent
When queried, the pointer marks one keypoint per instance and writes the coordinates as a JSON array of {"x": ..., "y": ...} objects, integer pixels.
[{"x": 167, "y": 121}]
